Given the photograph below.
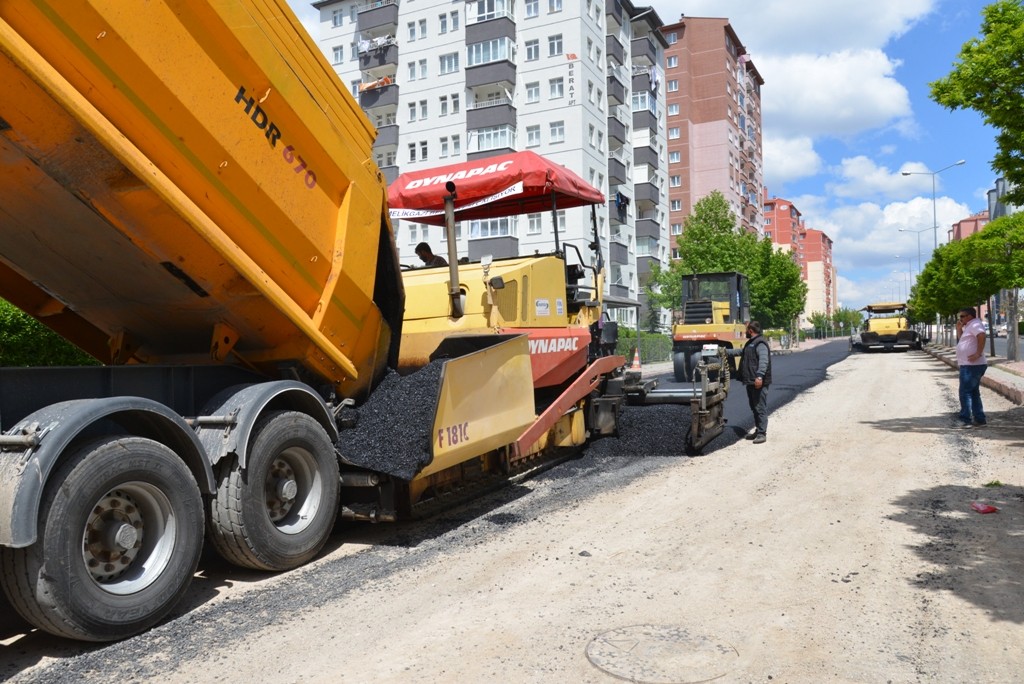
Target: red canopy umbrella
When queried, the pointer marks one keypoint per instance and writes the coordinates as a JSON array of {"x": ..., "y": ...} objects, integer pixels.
[{"x": 505, "y": 185}]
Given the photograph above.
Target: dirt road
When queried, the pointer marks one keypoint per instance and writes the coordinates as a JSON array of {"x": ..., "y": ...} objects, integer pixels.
[{"x": 843, "y": 550}]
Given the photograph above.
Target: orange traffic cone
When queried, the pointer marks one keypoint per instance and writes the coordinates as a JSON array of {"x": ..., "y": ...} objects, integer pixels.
[{"x": 636, "y": 359}]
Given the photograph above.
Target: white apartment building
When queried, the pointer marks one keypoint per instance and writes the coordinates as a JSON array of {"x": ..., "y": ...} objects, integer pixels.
[{"x": 576, "y": 81}]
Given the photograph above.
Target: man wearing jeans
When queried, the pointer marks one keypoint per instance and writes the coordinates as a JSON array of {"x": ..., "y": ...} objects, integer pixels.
[{"x": 970, "y": 358}]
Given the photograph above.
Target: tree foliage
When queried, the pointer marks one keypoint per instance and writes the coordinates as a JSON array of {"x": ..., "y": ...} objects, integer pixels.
[
  {"x": 24, "y": 341},
  {"x": 711, "y": 242},
  {"x": 988, "y": 77},
  {"x": 966, "y": 272}
]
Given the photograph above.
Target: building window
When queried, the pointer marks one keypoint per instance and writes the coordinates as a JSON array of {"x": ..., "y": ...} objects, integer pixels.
[
  {"x": 532, "y": 50},
  {"x": 672, "y": 38},
  {"x": 673, "y": 133},
  {"x": 456, "y": 145},
  {"x": 532, "y": 136},
  {"x": 423, "y": 151},
  {"x": 455, "y": 103},
  {"x": 455, "y": 20},
  {"x": 556, "y": 88},
  {"x": 675, "y": 181},
  {"x": 442, "y": 22},
  {"x": 590, "y": 49},
  {"x": 423, "y": 110},
  {"x": 556, "y": 131},
  {"x": 491, "y": 9},
  {"x": 495, "y": 138},
  {"x": 412, "y": 111},
  {"x": 495, "y": 227},
  {"x": 533, "y": 92},
  {"x": 355, "y": 86},
  {"x": 411, "y": 26},
  {"x": 677, "y": 228},
  {"x": 532, "y": 8},
  {"x": 554, "y": 45},
  {"x": 590, "y": 91},
  {"x": 443, "y": 142},
  {"x": 336, "y": 17},
  {"x": 412, "y": 71},
  {"x": 423, "y": 29},
  {"x": 673, "y": 110},
  {"x": 353, "y": 50},
  {"x": 412, "y": 152},
  {"x": 534, "y": 223},
  {"x": 674, "y": 157},
  {"x": 592, "y": 135},
  {"x": 339, "y": 54},
  {"x": 676, "y": 205},
  {"x": 673, "y": 86},
  {"x": 494, "y": 50},
  {"x": 444, "y": 105},
  {"x": 554, "y": 6},
  {"x": 423, "y": 68},
  {"x": 449, "y": 63},
  {"x": 672, "y": 61}
]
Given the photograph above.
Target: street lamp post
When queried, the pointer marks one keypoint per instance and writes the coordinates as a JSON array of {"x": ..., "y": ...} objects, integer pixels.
[
  {"x": 933, "y": 174},
  {"x": 935, "y": 215},
  {"x": 910, "y": 230}
]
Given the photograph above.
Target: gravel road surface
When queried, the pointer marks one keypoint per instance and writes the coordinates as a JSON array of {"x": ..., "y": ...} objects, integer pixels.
[{"x": 845, "y": 549}]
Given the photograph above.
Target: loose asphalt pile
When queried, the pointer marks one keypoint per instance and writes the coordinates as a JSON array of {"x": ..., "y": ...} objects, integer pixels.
[
  {"x": 393, "y": 428},
  {"x": 658, "y": 430}
]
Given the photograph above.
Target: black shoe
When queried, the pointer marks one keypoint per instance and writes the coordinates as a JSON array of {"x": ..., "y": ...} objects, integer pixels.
[
  {"x": 980, "y": 424},
  {"x": 961, "y": 425},
  {"x": 751, "y": 435},
  {"x": 760, "y": 439}
]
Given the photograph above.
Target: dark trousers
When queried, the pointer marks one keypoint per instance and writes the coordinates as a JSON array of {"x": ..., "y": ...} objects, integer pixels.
[{"x": 758, "y": 399}]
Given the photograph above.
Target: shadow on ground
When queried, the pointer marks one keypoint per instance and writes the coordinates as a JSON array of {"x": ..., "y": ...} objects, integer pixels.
[{"x": 980, "y": 558}]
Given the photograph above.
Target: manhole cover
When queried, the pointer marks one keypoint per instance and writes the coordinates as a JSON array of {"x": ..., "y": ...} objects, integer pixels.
[{"x": 648, "y": 654}]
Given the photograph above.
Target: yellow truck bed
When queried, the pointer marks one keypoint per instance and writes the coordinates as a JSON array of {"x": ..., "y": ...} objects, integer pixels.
[{"x": 189, "y": 182}]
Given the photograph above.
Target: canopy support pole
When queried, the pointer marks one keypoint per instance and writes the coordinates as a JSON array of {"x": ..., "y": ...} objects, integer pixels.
[{"x": 454, "y": 293}]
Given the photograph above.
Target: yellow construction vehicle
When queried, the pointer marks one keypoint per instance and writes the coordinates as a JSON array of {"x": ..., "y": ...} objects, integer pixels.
[
  {"x": 715, "y": 310},
  {"x": 188, "y": 194},
  {"x": 886, "y": 328}
]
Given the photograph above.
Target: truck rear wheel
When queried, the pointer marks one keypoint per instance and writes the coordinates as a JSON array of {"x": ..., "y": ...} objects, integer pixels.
[
  {"x": 279, "y": 511},
  {"x": 680, "y": 366},
  {"x": 121, "y": 525}
]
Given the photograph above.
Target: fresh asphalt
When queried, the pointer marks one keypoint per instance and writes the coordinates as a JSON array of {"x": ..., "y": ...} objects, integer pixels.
[{"x": 792, "y": 373}]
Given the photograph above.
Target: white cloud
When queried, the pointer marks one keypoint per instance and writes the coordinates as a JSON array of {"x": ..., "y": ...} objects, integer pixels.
[
  {"x": 838, "y": 94},
  {"x": 806, "y": 25},
  {"x": 861, "y": 177},
  {"x": 787, "y": 159}
]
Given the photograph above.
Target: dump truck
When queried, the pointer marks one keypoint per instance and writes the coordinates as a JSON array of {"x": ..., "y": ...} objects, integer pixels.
[
  {"x": 714, "y": 310},
  {"x": 886, "y": 328},
  {"x": 187, "y": 193}
]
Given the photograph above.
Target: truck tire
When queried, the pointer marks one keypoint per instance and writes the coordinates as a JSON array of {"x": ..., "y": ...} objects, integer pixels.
[
  {"x": 680, "y": 363},
  {"x": 120, "y": 534},
  {"x": 279, "y": 511}
]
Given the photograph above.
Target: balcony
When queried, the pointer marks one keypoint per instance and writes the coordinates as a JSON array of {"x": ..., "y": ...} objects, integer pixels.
[
  {"x": 615, "y": 15},
  {"x": 645, "y": 119},
  {"x": 501, "y": 73},
  {"x": 643, "y": 266},
  {"x": 648, "y": 228},
  {"x": 498, "y": 247},
  {"x": 614, "y": 50},
  {"x": 618, "y": 253},
  {"x": 387, "y": 136},
  {"x": 484, "y": 154},
  {"x": 377, "y": 14},
  {"x": 647, "y": 192},
  {"x": 616, "y": 131},
  {"x": 489, "y": 29},
  {"x": 616, "y": 88},
  {"x": 619, "y": 290},
  {"x": 489, "y": 113},
  {"x": 616, "y": 171},
  {"x": 390, "y": 173},
  {"x": 644, "y": 51},
  {"x": 645, "y": 156},
  {"x": 641, "y": 79},
  {"x": 378, "y": 94},
  {"x": 378, "y": 54}
]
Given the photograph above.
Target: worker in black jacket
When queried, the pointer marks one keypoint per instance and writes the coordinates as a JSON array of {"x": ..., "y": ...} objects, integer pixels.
[{"x": 756, "y": 374}]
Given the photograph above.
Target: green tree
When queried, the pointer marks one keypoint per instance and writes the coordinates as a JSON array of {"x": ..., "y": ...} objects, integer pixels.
[
  {"x": 819, "y": 321},
  {"x": 989, "y": 78},
  {"x": 24, "y": 341},
  {"x": 847, "y": 320},
  {"x": 711, "y": 242}
]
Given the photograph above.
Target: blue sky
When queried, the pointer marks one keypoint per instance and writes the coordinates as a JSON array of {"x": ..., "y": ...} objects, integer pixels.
[{"x": 845, "y": 111}]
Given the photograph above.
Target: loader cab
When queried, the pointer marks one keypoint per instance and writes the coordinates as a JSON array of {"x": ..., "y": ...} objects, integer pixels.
[{"x": 716, "y": 298}]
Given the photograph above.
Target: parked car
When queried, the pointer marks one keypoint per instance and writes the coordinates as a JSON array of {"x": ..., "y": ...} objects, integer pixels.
[{"x": 1001, "y": 330}]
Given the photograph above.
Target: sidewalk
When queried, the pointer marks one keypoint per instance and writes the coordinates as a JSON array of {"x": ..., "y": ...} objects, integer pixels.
[{"x": 1003, "y": 377}]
